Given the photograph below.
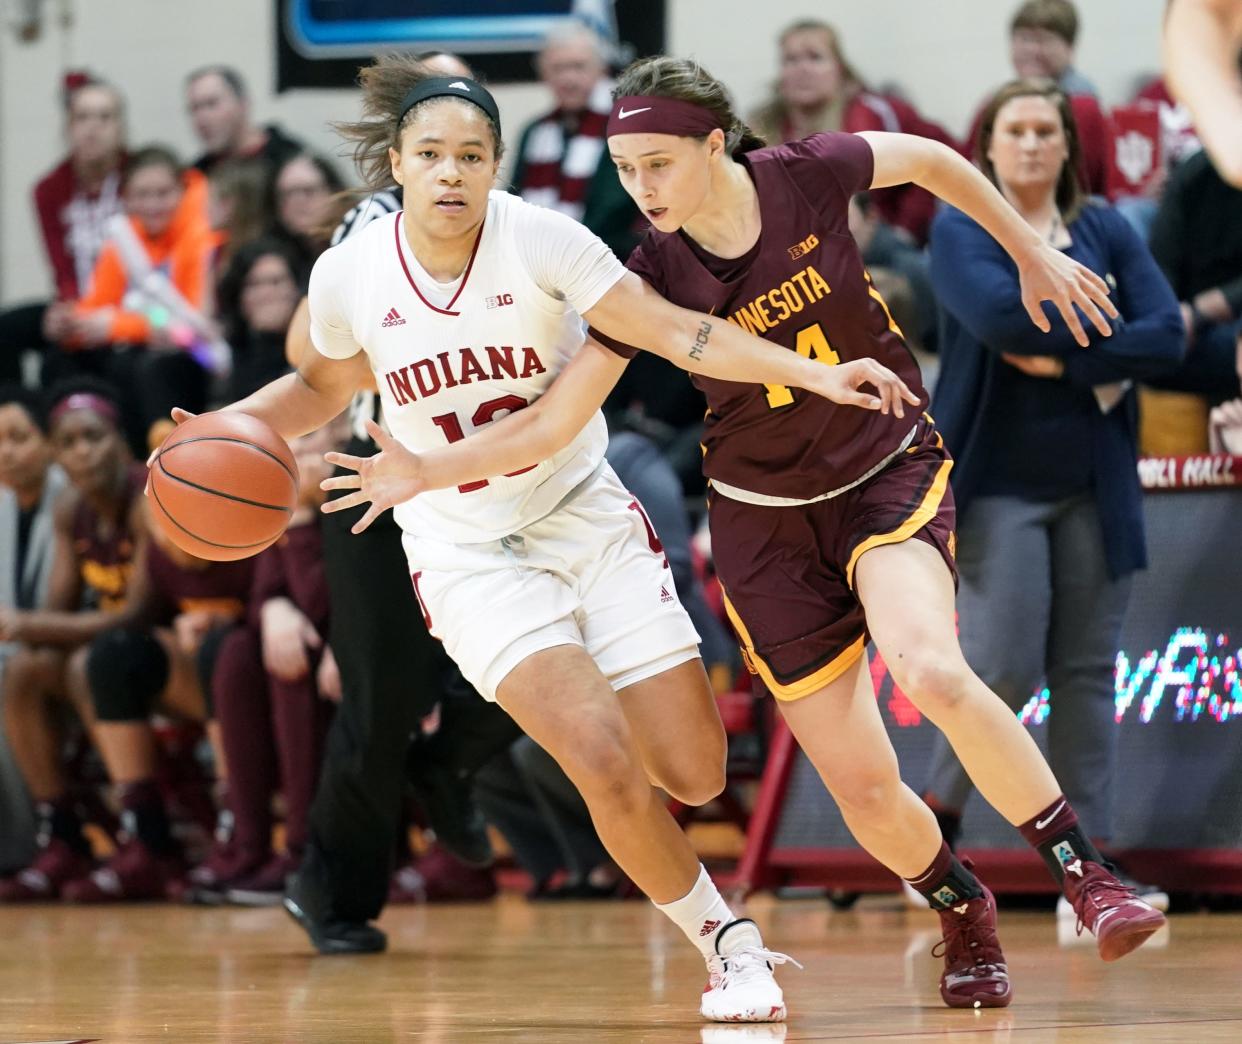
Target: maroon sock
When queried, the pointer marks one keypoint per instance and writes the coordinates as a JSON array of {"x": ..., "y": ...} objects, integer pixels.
[
  {"x": 239, "y": 693},
  {"x": 298, "y": 720},
  {"x": 1059, "y": 839},
  {"x": 946, "y": 881}
]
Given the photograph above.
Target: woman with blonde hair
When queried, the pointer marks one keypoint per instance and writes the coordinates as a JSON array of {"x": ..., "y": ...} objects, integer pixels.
[{"x": 820, "y": 90}]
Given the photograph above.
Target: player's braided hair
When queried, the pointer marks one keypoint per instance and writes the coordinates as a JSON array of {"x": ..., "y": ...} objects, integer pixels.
[
  {"x": 385, "y": 83},
  {"x": 686, "y": 80}
]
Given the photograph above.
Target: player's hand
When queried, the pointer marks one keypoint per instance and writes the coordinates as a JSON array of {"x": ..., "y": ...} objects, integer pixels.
[
  {"x": 179, "y": 416},
  {"x": 843, "y": 384},
  {"x": 190, "y": 628},
  {"x": 286, "y": 634},
  {"x": 390, "y": 477},
  {"x": 1049, "y": 275},
  {"x": 10, "y": 625},
  {"x": 328, "y": 677},
  {"x": 1048, "y": 367}
]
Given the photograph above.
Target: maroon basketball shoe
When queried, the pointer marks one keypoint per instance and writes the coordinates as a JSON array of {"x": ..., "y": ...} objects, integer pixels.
[
  {"x": 56, "y": 865},
  {"x": 975, "y": 973},
  {"x": 266, "y": 885},
  {"x": 439, "y": 877},
  {"x": 133, "y": 874},
  {"x": 226, "y": 862},
  {"x": 1109, "y": 910}
]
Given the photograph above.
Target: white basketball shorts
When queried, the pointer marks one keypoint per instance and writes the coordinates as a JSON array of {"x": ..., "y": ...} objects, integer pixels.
[{"x": 591, "y": 574}]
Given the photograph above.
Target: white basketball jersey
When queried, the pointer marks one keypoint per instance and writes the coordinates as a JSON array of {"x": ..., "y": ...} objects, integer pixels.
[{"x": 451, "y": 358}]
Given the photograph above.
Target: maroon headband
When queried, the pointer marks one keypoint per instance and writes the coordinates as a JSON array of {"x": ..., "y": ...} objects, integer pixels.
[
  {"x": 85, "y": 401},
  {"x": 649, "y": 114}
]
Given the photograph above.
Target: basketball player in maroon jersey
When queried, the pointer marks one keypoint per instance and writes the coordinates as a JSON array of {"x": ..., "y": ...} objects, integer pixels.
[
  {"x": 830, "y": 526},
  {"x": 96, "y": 538}
]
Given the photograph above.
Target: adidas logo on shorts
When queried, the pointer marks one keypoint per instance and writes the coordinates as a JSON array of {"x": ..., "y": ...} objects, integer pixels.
[{"x": 665, "y": 597}]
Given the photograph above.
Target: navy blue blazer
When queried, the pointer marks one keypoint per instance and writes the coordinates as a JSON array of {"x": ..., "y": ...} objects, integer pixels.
[{"x": 982, "y": 316}]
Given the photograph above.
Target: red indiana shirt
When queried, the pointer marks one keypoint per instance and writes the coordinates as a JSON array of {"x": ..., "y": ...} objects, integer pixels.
[
  {"x": 74, "y": 225},
  {"x": 803, "y": 287}
]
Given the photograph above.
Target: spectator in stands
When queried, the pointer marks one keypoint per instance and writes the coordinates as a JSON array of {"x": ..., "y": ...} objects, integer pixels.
[
  {"x": 97, "y": 534},
  {"x": 269, "y": 690},
  {"x": 219, "y": 107},
  {"x": 257, "y": 296},
  {"x": 302, "y": 190},
  {"x": 30, "y": 484},
  {"x": 1176, "y": 141},
  {"x": 562, "y": 159},
  {"x": 76, "y": 199},
  {"x": 1050, "y": 521},
  {"x": 899, "y": 270},
  {"x": 74, "y": 202},
  {"x": 148, "y": 291},
  {"x": 1197, "y": 240},
  {"x": 157, "y": 656},
  {"x": 819, "y": 90},
  {"x": 237, "y": 207},
  {"x": 1042, "y": 35}
]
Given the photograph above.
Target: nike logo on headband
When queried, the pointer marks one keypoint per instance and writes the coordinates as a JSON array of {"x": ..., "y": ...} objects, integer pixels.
[{"x": 622, "y": 114}]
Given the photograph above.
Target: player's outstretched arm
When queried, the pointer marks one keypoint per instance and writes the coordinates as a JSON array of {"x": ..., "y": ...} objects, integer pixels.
[
  {"x": 1202, "y": 39},
  {"x": 632, "y": 312},
  {"x": 1045, "y": 272},
  {"x": 523, "y": 438}
]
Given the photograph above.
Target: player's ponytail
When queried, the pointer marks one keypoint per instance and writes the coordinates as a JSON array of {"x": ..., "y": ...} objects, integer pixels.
[
  {"x": 686, "y": 80},
  {"x": 385, "y": 84}
]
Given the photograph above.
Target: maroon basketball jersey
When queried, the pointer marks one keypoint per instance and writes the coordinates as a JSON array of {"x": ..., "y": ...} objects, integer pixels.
[
  {"x": 222, "y": 588},
  {"x": 802, "y": 286},
  {"x": 105, "y": 560}
]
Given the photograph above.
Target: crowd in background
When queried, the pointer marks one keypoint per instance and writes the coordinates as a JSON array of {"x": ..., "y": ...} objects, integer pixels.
[{"x": 202, "y": 691}]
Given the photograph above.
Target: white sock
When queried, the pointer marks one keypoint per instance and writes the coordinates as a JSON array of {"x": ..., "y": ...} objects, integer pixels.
[{"x": 700, "y": 913}]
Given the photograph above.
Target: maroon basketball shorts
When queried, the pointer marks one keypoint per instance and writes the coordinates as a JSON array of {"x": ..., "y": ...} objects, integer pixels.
[{"x": 788, "y": 571}]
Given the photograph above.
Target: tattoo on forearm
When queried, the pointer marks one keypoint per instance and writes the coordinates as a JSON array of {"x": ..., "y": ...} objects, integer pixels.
[{"x": 700, "y": 340}]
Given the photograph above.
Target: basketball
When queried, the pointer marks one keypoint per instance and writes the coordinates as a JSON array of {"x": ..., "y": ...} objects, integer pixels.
[{"x": 223, "y": 486}]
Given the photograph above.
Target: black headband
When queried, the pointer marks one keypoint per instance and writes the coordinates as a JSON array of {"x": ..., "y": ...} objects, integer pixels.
[{"x": 451, "y": 87}]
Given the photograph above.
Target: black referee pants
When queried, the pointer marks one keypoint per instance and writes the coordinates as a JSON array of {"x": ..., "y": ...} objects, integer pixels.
[
  {"x": 390, "y": 677},
  {"x": 392, "y": 674}
]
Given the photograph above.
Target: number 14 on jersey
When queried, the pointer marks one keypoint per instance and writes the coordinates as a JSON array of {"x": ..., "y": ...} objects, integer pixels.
[{"x": 811, "y": 344}]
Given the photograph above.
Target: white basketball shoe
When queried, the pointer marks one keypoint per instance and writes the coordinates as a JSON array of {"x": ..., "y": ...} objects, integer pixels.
[{"x": 740, "y": 984}]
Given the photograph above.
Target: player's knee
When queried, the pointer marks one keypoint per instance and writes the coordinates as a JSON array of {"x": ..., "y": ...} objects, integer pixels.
[
  {"x": 126, "y": 671},
  {"x": 605, "y": 772},
  {"x": 936, "y": 682},
  {"x": 28, "y": 674},
  {"x": 870, "y": 795},
  {"x": 695, "y": 784}
]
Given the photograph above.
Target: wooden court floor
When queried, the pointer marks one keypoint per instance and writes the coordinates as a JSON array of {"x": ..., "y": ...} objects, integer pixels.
[{"x": 579, "y": 973}]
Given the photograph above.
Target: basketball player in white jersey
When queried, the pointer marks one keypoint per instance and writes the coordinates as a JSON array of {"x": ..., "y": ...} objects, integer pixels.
[{"x": 548, "y": 586}]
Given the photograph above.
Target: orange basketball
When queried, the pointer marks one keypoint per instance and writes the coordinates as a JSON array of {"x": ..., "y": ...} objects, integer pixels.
[{"x": 223, "y": 486}]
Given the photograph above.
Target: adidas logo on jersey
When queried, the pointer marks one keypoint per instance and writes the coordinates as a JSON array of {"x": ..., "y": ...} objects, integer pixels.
[
  {"x": 665, "y": 597},
  {"x": 392, "y": 319}
]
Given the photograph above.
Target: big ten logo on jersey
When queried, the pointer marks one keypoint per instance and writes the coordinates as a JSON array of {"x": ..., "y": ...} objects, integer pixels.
[
  {"x": 805, "y": 247},
  {"x": 500, "y": 300}
]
